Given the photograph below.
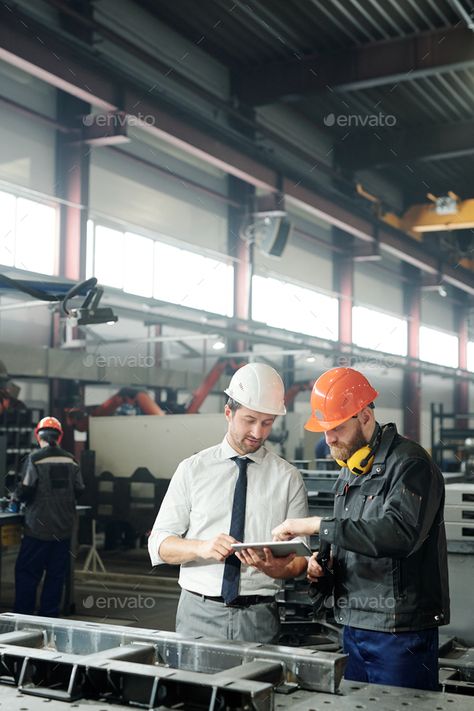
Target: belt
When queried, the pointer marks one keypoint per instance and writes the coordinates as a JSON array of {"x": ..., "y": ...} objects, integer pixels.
[{"x": 241, "y": 601}]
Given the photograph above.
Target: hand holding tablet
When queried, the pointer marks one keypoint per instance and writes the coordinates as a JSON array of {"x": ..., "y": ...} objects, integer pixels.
[{"x": 279, "y": 549}]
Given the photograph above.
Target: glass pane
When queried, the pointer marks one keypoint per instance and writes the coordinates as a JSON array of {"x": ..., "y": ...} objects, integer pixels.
[
  {"x": 108, "y": 256},
  {"x": 90, "y": 250},
  {"x": 138, "y": 277},
  {"x": 192, "y": 280},
  {"x": 470, "y": 356},
  {"x": 438, "y": 347},
  {"x": 7, "y": 227},
  {"x": 35, "y": 237},
  {"x": 294, "y": 308},
  {"x": 379, "y": 331}
]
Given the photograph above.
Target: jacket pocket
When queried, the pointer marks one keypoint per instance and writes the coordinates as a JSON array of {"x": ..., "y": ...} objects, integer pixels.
[
  {"x": 399, "y": 579},
  {"x": 410, "y": 506},
  {"x": 371, "y": 493},
  {"x": 339, "y": 491}
]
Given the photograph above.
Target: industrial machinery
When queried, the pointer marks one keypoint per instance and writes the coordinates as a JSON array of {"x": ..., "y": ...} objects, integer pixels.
[
  {"x": 16, "y": 427},
  {"x": 127, "y": 401},
  {"x": 90, "y": 665},
  {"x": 56, "y": 292},
  {"x": 451, "y": 440},
  {"x": 467, "y": 465}
]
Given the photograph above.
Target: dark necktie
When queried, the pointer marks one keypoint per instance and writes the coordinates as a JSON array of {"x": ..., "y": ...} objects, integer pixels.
[{"x": 230, "y": 583}]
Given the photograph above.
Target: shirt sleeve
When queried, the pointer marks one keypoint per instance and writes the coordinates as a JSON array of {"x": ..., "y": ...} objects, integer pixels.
[
  {"x": 173, "y": 516},
  {"x": 298, "y": 501},
  {"x": 409, "y": 511}
]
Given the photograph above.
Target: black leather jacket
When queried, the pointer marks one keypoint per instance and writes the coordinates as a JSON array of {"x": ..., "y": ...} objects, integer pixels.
[
  {"x": 50, "y": 485},
  {"x": 389, "y": 541}
]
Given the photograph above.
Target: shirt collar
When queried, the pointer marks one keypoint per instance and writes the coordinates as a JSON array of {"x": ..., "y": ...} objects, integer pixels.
[{"x": 228, "y": 452}]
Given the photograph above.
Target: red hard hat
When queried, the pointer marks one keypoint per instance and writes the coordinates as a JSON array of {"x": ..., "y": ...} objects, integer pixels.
[
  {"x": 49, "y": 423},
  {"x": 337, "y": 395}
]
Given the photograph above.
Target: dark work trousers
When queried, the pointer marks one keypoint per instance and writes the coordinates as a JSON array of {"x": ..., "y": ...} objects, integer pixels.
[
  {"x": 394, "y": 658},
  {"x": 34, "y": 558}
]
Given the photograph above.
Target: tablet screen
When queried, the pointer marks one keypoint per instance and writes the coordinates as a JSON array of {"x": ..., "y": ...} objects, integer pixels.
[{"x": 278, "y": 548}]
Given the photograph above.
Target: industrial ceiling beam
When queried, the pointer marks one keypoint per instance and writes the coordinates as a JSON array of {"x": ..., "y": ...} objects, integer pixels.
[
  {"x": 391, "y": 240},
  {"x": 427, "y": 218},
  {"x": 368, "y": 151},
  {"x": 366, "y": 67},
  {"x": 71, "y": 67},
  {"x": 299, "y": 343},
  {"x": 37, "y": 50}
]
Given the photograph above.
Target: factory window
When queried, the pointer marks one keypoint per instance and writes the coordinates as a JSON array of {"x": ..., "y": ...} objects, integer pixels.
[
  {"x": 140, "y": 265},
  {"x": 28, "y": 234},
  {"x": 294, "y": 308},
  {"x": 438, "y": 347},
  {"x": 133, "y": 272},
  {"x": 7, "y": 233},
  {"x": 379, "y": 331},
  {"x": 138, "y": 254},
  {"x": 108, "y": 248},
  {"x": 470, "y": 356},
  {"x": 193, "y": 280},
  {"x": 90, "y": 250}
]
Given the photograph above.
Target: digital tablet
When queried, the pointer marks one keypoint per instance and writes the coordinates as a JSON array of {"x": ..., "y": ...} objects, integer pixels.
[{"x": 278, "y": 548}]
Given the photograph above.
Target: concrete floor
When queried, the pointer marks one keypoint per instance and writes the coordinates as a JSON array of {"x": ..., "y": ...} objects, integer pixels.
[{"x": 130, "y": 593}]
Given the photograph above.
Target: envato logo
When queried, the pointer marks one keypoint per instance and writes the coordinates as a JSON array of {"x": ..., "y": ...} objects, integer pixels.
[
  {"x": 118, "y": 119},
  {"x": 377, "y": 602},
  {"x": 116, "y": 361},
  {"x": 366, "y": 362},
  {"x": 112, "y": 602},
  {"x": 360, "y": 121}
]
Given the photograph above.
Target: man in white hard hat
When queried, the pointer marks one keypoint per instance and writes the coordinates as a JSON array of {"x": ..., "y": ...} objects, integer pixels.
[{"x": 236, "y": 491}]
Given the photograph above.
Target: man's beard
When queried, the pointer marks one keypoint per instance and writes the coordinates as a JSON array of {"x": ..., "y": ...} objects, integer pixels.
[
  {"x": 344, "y": 450},
  {"x": 249, "y": 448},
  {"x": 242, "y": 445}
]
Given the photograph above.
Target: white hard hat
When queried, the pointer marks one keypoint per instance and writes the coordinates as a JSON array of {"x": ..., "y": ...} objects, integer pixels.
[{"x": 258, "y": 387}]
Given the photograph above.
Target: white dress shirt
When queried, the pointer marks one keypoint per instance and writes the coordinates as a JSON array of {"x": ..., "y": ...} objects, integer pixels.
[{"x": 198, "y": 505}]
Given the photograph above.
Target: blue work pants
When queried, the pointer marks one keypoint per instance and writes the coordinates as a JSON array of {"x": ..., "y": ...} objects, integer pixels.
[
  {"x": 394, "y": 658},
  {"x": 35, "y": 558}
]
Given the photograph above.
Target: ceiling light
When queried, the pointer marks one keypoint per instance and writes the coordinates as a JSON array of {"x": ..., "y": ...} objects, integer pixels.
[
  {"x": 310, "y": 359},
  {"x": 219, "y": 346},
  {"x": 439, "y": 289}
]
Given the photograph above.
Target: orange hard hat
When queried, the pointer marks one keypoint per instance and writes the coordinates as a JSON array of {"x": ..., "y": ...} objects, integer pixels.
[
  {"x": 49, "y": 423},
  {"x": 337, "y": 395}
]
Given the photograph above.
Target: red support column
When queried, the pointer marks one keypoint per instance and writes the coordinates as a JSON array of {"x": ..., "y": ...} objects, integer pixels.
[
  {"x": 343, "y": 281},
  {"x": 72, "y": 181},
  {"x": 461, "y": 386},
  {"x": 72, "y": 186},
  {"x": 242, "y": 193},
  {"x": 411, "y": 391}
]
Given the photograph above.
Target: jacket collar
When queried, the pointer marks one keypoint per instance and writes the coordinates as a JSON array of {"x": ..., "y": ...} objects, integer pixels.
[{"x": 389, "y": 432}]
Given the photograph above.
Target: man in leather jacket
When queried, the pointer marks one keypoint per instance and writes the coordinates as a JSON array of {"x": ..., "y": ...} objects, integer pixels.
[
  {"x": 50, "y": 484},
  {"x": 387, "y": 537}
]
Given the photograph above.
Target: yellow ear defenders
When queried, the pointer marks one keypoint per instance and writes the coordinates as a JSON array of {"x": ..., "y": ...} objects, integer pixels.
[{"x": 361, "y": 461}]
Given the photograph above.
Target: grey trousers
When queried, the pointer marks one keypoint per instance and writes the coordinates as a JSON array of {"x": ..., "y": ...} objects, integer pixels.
[{"x": 207, "y": 618}]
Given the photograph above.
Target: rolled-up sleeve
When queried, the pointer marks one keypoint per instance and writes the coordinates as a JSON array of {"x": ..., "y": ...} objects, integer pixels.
[{"x": 173, "y": 516}]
